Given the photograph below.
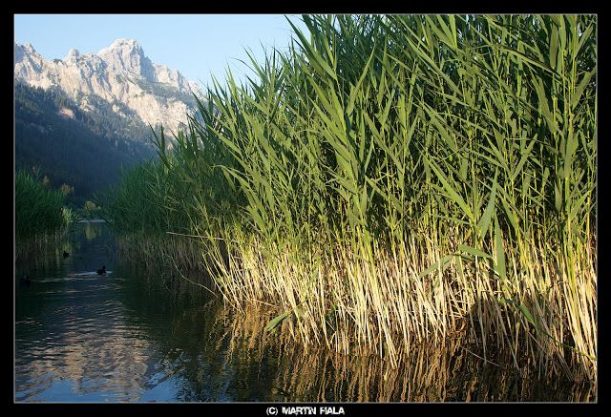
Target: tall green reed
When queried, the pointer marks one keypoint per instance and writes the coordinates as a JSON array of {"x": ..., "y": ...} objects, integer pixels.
[
  {"x": 390, "y": 177},
  {"x": 38, "y": 208}
]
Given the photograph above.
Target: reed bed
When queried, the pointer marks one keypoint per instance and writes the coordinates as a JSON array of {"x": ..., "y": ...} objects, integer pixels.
[
  {"x": 42, "y": 251},
  {"x": 393, "y": 179},
  {"x": 38, "y": 208},
  {"x": 431, "y": 372},
  {"x": 41, "y": 220},
  {"x": 158, "y": 252}
]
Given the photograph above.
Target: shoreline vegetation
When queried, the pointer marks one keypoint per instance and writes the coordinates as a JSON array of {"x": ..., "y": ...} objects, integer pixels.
[
  {"x": 41, "y": 218},
  {"x": 447, "y": 370},
  {"x": 394, "y": 180}
]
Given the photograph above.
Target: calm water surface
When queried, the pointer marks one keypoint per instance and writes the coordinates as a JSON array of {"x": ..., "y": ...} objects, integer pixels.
[{"x": 134, "y": 336}]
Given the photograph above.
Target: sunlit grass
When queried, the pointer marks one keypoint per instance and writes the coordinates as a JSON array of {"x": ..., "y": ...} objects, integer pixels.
[{"x": 392, "y": 179}]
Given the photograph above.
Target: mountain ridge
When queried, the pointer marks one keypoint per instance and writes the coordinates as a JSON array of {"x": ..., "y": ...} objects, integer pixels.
[
  {"x": 120, "y": 73},
  {"x": 85, "y": 150}
]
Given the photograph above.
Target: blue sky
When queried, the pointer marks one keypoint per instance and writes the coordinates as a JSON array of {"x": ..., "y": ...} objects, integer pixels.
[{"x": 196, "y": 45}]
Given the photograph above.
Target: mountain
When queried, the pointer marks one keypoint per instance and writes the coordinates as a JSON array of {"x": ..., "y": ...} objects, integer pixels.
[
  {"x": 120, "y": 76},
  {"x": 85, "y": 150},
  {"x": 80, "y": 120}
]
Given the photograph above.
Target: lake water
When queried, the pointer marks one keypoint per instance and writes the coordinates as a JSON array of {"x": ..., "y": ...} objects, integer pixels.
[{"x": 147, "y": 336}]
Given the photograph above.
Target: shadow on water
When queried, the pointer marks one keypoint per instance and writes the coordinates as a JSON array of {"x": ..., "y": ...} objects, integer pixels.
[{"x": 145, "y": 334}]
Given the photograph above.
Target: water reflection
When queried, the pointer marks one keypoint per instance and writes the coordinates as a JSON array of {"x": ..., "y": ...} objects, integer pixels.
[
  {"x": 137, "y": 335},
  {"x": 90, "y": 230},
  {"x": 426, "y": 373}
]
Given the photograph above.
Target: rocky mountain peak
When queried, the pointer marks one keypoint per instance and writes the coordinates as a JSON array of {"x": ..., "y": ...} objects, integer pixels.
[
  {"x": 118, "y": 74},
  {"x": 125, "y": 43},
  {"x": 73, "y": 55},
  {"x": 127, "y": 55},
  {"x": 29, "y": 48},
  {"x": 24, "y": 51}
]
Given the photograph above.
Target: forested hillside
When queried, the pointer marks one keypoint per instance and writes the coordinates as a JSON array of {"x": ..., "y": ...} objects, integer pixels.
[{"x": 85, "y": 150}]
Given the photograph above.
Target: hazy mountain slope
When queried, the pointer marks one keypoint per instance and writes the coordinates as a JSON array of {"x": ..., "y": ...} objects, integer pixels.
[
  {"x": 83, "y": 118},
  {"x": 86, "y": 150}
]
